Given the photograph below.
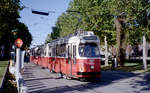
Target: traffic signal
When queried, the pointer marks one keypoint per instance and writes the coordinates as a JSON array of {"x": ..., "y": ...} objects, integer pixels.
[{"x": 40, "y": 13}]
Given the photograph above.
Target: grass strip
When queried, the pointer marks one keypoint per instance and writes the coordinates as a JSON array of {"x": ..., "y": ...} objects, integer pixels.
[
  {"x": 130, "y": 66},
  {"x": 3, "y": 66}
]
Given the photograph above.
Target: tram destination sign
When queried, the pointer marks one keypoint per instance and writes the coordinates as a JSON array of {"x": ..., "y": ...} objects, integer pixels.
[{"x": 90, "y": 38}]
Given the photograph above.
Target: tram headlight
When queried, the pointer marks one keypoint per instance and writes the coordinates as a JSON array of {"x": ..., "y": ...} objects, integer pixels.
[{"x": 92, "y": 67}]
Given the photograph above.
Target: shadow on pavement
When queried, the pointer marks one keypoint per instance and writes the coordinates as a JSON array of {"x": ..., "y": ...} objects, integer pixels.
[
  {"x": 42, "y": 78},
  {"x": 145, "y": 83},
  {"x": 108, "y": 77},
  {"x": 36, "y": 85}
]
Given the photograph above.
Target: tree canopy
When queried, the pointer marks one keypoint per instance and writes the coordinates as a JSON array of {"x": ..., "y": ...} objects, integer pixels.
[
  {"x": 122, "y": 21},
  {"x": 9, "y": 21}
]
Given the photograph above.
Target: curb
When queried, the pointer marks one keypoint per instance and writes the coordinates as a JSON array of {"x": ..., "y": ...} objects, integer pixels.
[{"x": 3, "y": 78}]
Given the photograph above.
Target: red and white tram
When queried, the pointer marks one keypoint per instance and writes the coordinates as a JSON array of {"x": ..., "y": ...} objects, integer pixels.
[{"x": 76, "y": 55}]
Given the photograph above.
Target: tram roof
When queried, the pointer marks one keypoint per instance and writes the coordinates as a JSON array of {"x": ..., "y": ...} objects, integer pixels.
[{"x": 65, "y": 39}]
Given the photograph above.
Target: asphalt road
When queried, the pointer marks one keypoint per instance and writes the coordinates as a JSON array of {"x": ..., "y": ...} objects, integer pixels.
[{"x": 42, "y": 81}]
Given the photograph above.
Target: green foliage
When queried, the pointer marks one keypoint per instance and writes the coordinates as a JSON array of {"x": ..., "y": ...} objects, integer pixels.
[
  {"x": 9, "y": 21},
  {"x": 66, "y": 24},
  {"x": 99, "y": 15},
  {"x": 95, "y": 18},
  {"x": 24, "y": 34},
  {"x": 9, "y": 85},
  {"x": 9, "y": 14},
  {"x": 54, "y": 35},
  {"x": 89, "y": 16},
  {"x": 135, "y": 15},
  {"x": 48, "y": 39}
]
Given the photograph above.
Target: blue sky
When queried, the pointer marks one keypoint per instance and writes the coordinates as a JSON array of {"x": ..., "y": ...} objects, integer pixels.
[{"x": 40, "y": 25}]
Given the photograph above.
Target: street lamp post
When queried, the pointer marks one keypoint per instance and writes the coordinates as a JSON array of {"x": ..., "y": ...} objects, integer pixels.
[{"x": 18, "y": 43}]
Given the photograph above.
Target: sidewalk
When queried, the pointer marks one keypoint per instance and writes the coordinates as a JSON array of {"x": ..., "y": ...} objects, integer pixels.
[{"x": 37, "y": 78}]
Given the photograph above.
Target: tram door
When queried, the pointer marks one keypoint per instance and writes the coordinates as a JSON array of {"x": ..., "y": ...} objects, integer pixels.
[{"x": 71, "y": 59}]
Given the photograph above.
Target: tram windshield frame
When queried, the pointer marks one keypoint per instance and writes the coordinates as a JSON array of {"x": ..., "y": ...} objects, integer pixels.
[{"x": 88, "y": 50}]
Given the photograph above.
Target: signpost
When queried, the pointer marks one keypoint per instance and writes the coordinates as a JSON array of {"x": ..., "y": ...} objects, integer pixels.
[{"x": 18, "y": 43}]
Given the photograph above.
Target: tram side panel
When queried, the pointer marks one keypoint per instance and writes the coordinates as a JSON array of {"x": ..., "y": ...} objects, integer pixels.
[
  {"x": 32, "y": 55},
  {"x": 39, "y": 60},
  {"x": 56, "y": 65},
  {"x": 31, "y": 58},
  {"x": 64, "y": 65},
  {"x": 44, "y": 61},
  {"x": 74, "y": 69},
  {"x": 49, "y": 66}
]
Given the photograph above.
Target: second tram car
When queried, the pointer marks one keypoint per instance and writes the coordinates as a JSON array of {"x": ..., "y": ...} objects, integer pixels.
[{"x": 74, "y": 56}]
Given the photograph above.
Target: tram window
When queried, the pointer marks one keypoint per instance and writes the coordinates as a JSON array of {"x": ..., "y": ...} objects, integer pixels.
[
  {"x": 89, "y": 50},
  {"x": 50, "y": 53},
  {"x": 44, "y": 53},
  {"x": 53, "y": 52},
  {"x": 68, "y": 51},
  {"x": 41, "y": 52},
  {"x": 57, "y": 50},
  {"x": 69, "y": 56},
  {"x": 74, "y": 54},
  {"x": 63, "y": 50}
]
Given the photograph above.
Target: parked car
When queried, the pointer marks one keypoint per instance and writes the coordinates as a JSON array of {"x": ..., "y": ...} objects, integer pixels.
[{"x": 102, "y": 59}]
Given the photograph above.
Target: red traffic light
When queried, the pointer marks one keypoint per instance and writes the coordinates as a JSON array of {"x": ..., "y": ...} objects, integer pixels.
[{"x": 18, "y": 42}]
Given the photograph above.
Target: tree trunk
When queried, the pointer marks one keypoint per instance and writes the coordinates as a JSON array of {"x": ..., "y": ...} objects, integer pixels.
[
  {"x": 144, "y": 53},
  {"x": 121, "y": 41},
  {"x": 106, "y": 51}
]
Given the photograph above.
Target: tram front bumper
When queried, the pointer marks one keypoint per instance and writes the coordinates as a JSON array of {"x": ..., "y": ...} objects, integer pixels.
[{"x": 89, "y": 74}]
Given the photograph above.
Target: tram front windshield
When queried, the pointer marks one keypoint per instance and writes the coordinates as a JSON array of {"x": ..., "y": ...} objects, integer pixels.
[{"x": 89, "y": 50}]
